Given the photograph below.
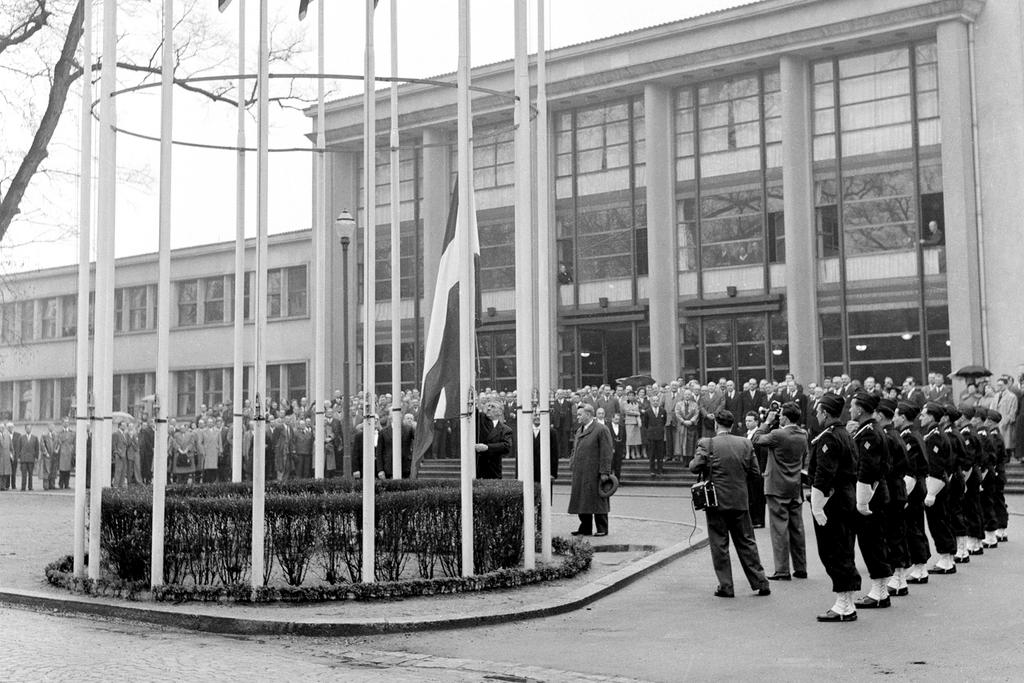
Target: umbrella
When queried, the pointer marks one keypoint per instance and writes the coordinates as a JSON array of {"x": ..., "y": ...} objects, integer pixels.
[
  {"x": 636, "y": 381},
  {"x": 972, "y": 371},
  {"x": 119, "y": 416}
]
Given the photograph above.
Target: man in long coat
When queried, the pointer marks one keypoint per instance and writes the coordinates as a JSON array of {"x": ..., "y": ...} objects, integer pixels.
[
  {"x": 28, "y": 453},
  {"x": 66, "y": 440},
  {"x": 493, "y": 441},
  {"x": 591, "y": 464},
  {"x": 6, "y": 458},
  {"x": 50, "y": 458}
]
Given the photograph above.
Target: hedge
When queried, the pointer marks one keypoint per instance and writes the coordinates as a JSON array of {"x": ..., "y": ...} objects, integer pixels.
[
  {"x": 578, "y": 555},
  {"x": 312, "y": 532}
]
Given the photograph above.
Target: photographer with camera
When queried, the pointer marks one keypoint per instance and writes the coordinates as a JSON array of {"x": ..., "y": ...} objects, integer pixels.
[
  {"x": 786, "y": 445},
  {"x": 727, "y": 460}
]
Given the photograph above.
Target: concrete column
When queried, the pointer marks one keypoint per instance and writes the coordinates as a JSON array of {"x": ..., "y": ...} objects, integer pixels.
[
  {"x": 798, "y": 205},
  {"x": 436, "y": 200},
  {"x": 663, "y": 283},
  {"x": 342, "y": 183},
  {"x": 960, "y": 209}
]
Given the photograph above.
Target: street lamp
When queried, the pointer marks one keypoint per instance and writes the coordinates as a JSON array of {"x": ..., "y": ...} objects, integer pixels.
[{"x": 345, "y": 229}]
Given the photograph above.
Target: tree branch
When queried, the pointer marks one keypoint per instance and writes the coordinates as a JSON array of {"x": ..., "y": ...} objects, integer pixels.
[{"x": 32, "y": 24}]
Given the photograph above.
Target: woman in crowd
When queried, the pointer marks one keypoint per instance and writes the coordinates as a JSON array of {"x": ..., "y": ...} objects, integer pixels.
[
  {"x": 634, "y": 437},
  {"x": 689, "y": 427}
]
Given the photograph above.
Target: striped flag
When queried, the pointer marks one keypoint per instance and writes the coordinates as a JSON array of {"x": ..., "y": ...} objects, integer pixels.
[
  {"x": 304, "y": 5},
  {"x": 440, "y": 398},
  {"x": 223, "y": 4}
]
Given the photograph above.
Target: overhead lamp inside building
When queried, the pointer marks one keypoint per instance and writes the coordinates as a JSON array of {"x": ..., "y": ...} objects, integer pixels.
[
  {"x": 861, "y": 347},
  {"x": 776, "y": 351},
  {"x": 906, "y": 336},
  {"x": 584, "y": 354}
]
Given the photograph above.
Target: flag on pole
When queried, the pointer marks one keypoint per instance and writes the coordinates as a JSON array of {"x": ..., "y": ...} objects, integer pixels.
[
  {"x": 223, "y": 4},
  {"x": 303, "y": 6},
  {"x": 440, "y": 396}
]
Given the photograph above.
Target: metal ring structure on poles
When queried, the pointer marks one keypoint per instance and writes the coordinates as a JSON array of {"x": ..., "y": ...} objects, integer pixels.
[{"x": 511, "y": 98}]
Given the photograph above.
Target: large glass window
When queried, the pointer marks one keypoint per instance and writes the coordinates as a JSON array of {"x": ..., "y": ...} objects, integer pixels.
[
  {"x": 9, "y": 323},
  {"x": 496, "y": 360},
  {"x": 68, "y": 315},
  {"x": 186, "y": 384},
  {"x": 48, "y": 318},
  {"x": 188, "y": 306},
  {"x": 28, "y": 320}
]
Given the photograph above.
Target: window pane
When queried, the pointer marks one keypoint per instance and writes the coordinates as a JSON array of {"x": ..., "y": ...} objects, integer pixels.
[{"x": 297, "y": 291}]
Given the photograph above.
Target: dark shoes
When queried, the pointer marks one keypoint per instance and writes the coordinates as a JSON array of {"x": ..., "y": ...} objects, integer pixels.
[
  {"x": 979, "y": 551},
  {"x": 763, "y": 591},
  {"x": 898, "y": 592},
  {"x": 986, "y": 544},
  {"x": 1002, "y": 539},
  {"x": 601, "y": 533},
  {"x": 940, "y": 570},
  {"x": 578, "y": 532},
  {"x": 868, "y": 602},
  {"x": 831, "y": 616},
  {"x": 962, "y": 560},
  {"x": 799, "y": 575},
  {"x": 779, "y": 576},
  {"x": 917, "y": 580},
  {"x": 724, "y": 593}
]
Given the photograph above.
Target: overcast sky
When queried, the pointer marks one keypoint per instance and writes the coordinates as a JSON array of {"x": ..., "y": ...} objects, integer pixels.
[{"x": 204, "y": 181}]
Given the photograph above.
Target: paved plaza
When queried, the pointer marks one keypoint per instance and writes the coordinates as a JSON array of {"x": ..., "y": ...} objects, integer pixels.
[{"x": 665, "y": 626}]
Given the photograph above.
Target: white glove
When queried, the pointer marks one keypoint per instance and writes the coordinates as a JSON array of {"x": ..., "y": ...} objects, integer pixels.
[
  {"x": 864, "y": 493},
  {"x": 910, "y": 483},
  {"x": 935, "y": 486},
  {"x": 818, "y": 501}
]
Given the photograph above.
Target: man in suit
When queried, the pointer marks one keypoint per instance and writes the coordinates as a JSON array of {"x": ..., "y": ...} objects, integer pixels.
[
  {"x": 66, "y": 454},
  {"x": 655, "y": 419},
  {"x": 617, "y": 430},
  {"x": 732, "y": 402},
  {"x": 302, "y": 449},
  {"x": 119, "y": 453},
  {"x": 1006, "y": 405},
  {"x": 606, "y": 400},
  {"x": 493, "y": 441},
  {"x": 552, "y": 456},
  {"x": 378, "y": 449},
  {"x": 752, "y": 398},
  {"x": 561, "y": 421},
  {"x": 147, "y": 438},
  {"x": 407, "y": 436},
  {"x": 669, "y": 396},
  {"x": 711, "y": 400},
  {"x": 591, "y": 465},
  {"x": 48, "y": 448},
  {"x": 280, "y": 441},
  {"x": 728, "y": 460},
  {"x": 787, "y": 453},
  {"x": 28, "y": 453},
  {"x": 911, "y": 392}
]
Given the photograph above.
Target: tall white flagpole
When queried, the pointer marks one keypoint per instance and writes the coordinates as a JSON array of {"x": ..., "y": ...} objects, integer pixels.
[
  {"x": 467, "y": 320},
  {"x": 396, "y": 247},
  {"x": 370, "y": 299},
  {"x": 82, "y": 415},
  {"x": 543, "y": 288},
  {"x": 104, "y": 325},
  {"x": 239, "y": 312},
  {"x": 320, "y": 255},
  {"x": 258, "y": 302},
  {"x": 524, "y": 281},
  {"x": 163, "y": 304}
]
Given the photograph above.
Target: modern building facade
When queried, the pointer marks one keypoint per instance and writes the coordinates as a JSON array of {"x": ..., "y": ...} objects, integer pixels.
[
  {"x": 806, "y": 186},
  {"x": 815, "y": 186}
]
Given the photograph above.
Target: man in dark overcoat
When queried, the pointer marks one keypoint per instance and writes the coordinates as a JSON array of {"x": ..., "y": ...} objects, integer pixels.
[
  {"x": 727, "y": 461},
  {"x": 591, "y": 464},
  {"x": 493, "y": 441}
]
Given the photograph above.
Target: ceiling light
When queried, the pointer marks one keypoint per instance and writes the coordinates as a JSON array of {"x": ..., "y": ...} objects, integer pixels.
[{"x": 861, "y": 347}]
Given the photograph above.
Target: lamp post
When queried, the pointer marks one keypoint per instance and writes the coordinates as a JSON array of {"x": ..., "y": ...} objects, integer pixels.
[{"x": 345, "y": 228}]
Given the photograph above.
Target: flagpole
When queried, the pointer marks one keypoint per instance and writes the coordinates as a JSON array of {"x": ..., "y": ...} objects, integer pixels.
[
  {"x": 104, "y": 324},
  {"x": 259, "y": 304},
  {"x": 239, "y": 313},
  {"x": 467, "y": 320},
  {"x": 82, "y": 414},
  {"x": 370, "y": 299},
  {"x": 543, "y": 289},
  {"x": 524, "y": 283},
  {"x": 396, "y": 248},
  {"x": 320, "y": 254},
  {"x": 163, "y": 304}
]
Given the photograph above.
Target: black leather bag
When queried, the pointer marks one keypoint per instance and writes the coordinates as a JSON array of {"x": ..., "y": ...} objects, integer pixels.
[{"x": 703, "y": 492}]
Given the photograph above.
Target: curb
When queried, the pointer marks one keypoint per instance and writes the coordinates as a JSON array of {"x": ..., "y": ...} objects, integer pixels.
[{"x": 166, "y": 615}]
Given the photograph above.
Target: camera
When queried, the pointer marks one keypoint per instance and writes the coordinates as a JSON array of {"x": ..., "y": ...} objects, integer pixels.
[{"x": 773, "y": 407}]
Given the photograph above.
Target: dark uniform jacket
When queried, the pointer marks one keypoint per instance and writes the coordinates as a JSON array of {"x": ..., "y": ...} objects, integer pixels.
[
  {"x": 873, "y": 461},
  {"x": 917, "y": 462},
  {"x": 899, "y": 466},
  {"x": 727, "y": 460},
  {"x": 936, "y": 449},
  {"x": 957, "y": 450},
  {"x": 986, "y": 450},
  {"x": 833, "y": 466},
  {"x": 972, "y": 447}
]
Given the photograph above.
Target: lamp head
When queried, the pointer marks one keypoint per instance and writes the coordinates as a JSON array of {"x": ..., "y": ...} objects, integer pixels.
[{"x": 345, "y": 227}]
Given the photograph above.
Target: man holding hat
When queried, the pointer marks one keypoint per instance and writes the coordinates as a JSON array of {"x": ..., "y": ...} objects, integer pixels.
[
  {"x": 895, "y": 529},
  {"x": 591, "y": 466},
  {"x": 833, "y": 474},
  {"x": 728, "y": 460},
  {"x": 936, "y": 499},
  {"x": 957, "y": 482},
  {"x": 873, "y": 465},
  {"x": 972, "y": 480},
  {"x": 917, "y": 464}
]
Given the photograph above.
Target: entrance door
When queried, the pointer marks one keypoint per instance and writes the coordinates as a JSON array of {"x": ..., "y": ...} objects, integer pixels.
[
  {"x": 605, "y": 354},
  {"x": 735, "y": 348}
]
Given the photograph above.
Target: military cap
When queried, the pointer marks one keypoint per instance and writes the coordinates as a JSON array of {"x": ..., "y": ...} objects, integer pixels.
[
  {"x": 994, "y": 415},
  {"x": 866, "y": 401},
  {"x": 831, "y": 404},
  {"x": 887, "y": 407},
  {"x": 952, "y": 412},
  {"x": 934, "y": 409},
  {"x": 967, "y": 411},
  {"x": 908, "y": 409}
]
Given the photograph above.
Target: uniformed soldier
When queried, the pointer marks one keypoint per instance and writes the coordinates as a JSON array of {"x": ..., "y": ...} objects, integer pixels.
[
  {"x": 1000, "y": 511},
  {"x": 873, "y": 465},
  {"x": 987, "y": 466},
  {"x": 895, "y": 511},
  {"x": 972, "y": 481},
  {"x": 956, "y": 488},
  {"x": 833, "y": 473},
  {"x": 936, "y": 499},
  {"x": 917, "y": 463}
]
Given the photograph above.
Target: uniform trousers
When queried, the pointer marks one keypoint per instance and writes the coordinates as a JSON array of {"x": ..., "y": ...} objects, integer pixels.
[
  {"x": 873, "y": 544},
  {"x": 917, "y": 539},
  {"x": 987, "y": 499},
  {"x": 1001, "y": 512},
  {"x": 896, "y": 547},
  {"x": 955, "y": 491},
  {"x": 835, "y": 548},
  {"x": 786, "y": 526},
  {"x": 723, "y": 524},
  {"x": 972, "y": 506},
  {"x": 938, "y": 525}
]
